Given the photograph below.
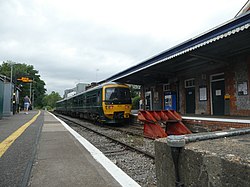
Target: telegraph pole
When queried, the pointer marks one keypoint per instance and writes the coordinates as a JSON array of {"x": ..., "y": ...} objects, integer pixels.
[{"x": 30, "y": 89}]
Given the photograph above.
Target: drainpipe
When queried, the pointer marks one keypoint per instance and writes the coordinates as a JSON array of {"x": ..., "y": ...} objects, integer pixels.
[
  {"x": 215, "y": 135},
  {"x": 176, "y": 143}
]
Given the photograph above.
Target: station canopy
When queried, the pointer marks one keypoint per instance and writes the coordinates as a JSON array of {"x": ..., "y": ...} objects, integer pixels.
[{"x": 210, "y": 50}]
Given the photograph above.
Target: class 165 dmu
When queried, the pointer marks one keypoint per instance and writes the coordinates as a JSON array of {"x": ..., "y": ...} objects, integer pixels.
[{"x": 106, "y": 103}]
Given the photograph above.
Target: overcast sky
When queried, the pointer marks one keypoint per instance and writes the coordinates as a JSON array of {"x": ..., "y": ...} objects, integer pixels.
[{"x": 72, "y": 41}]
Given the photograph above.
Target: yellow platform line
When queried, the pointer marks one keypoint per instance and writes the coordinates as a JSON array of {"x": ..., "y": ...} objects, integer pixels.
[{"x": 4, "y": 145}]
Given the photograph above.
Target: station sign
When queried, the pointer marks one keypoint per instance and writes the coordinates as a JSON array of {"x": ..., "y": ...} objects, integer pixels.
[{"x": 24, "y": 79}]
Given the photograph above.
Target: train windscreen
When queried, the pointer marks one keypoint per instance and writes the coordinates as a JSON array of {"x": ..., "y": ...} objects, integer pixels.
[{"x": 117, "y": 95}]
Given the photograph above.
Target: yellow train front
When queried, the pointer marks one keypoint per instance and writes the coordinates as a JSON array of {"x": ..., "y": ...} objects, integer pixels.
[
  {"x": 116, "y": 103},
  {"x": 106, "y": 103}
]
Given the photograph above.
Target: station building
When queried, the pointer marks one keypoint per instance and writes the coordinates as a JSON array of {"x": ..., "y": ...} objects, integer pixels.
[{"x": 206, "y": 75}]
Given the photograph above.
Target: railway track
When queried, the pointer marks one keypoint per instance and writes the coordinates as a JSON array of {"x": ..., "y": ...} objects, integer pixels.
[{"x": 130, "y": 151}]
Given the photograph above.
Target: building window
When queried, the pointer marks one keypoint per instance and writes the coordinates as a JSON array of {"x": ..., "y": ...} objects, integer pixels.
[
  {"x": 189, "y": 83},
  {"x": 166, "y": 87},
  {"x": 217, "y": 77}
]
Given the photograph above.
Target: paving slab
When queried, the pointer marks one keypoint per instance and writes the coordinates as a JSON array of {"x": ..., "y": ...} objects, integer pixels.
[{"x": 62, "y": 161}]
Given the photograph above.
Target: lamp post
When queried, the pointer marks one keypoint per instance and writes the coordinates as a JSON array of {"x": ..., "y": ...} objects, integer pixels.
[
  {"x": 30, "y": 89},
  {"x": 33, "y": 98},
  {"x": 11, "y": 70},
  {"x": 11, "y": 86},
  {"x": 32, "y": 92}
]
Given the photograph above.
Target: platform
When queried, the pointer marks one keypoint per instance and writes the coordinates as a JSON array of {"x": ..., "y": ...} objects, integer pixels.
[
  {"x": 206, "y": 123},
  {"x": 49, "y": 153}
]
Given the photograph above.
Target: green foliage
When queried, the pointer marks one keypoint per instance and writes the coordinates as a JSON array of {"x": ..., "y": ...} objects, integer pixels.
[
  {"x": 133, "y": 92},
  {"x": 23, "y": 70},
  {"x": 48, "y": 108},
  {"x": 135, "y": 102},
  {"x": 50, "y": 100}
]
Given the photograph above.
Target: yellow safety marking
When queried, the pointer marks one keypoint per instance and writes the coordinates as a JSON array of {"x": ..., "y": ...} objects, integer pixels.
[{"x": 4, "y": 145}]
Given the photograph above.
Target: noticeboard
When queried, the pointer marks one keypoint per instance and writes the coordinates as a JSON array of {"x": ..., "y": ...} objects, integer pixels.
[
  {"x": 242, "y": 88},
  {"x": 203, "y": 93}
]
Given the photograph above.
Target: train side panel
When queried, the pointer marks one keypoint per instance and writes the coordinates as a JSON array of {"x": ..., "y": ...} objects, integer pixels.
[{"x": 109, "y": 103}]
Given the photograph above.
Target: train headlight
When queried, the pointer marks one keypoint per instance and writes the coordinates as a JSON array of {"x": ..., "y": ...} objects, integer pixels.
[
  {"x": 110, "y": 107},
  {"x": 126, "y": 106}
]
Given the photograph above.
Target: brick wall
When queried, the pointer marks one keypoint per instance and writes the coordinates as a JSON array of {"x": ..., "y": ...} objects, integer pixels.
[
  {"x": 207, "y": 126},
  {"x": 239, "y": 71}
]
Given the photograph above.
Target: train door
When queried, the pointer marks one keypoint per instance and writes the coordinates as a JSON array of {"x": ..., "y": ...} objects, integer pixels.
[
  {"x": 148, "y": 100},
  {"x": 217, "y": 94}
]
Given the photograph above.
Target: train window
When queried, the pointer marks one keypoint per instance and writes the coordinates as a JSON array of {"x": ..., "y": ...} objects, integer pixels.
[
  {"x": 117, "y": 95},
  {"x": 93, "y": 99},
  {"x": 109, "y": 91},
  {"x": 81, "y": 101},
  {"x": 98, "y": 97},
  {"x": 75, "y": 101},
  {"x": 87, "y": 100}
]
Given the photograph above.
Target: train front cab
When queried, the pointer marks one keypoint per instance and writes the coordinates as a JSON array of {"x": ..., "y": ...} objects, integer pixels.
[{"x": 116, "y": 103}]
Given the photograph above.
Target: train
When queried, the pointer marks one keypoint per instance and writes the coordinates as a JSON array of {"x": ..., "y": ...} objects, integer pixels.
[{"x": 106, "y": 103}]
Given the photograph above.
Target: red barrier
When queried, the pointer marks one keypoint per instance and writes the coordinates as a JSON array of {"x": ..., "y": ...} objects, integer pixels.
[
  {"x": 177, "y": 129},
  {"x": 153, "y": 120},
  {"x": 151, "y": 127},
  {"x": 153, "y": 131}
]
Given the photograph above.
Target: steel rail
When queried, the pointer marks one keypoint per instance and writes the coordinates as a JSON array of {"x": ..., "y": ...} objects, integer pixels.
[{"x": 149, "y": 155}]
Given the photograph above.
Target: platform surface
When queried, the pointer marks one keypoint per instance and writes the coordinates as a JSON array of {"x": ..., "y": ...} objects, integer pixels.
[
  {"x": 50, "y": 153},
  {"x": 62, "y": 161},
  {"x": 16, "y": 151}
]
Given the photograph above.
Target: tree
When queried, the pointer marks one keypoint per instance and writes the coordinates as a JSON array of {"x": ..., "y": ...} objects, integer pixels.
[
  {"x": 135, "y": 102},
  {"x": 50, "y": 100},
  {"x": 23, "y": 70},
  {"x": 135, "y": 90}
]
